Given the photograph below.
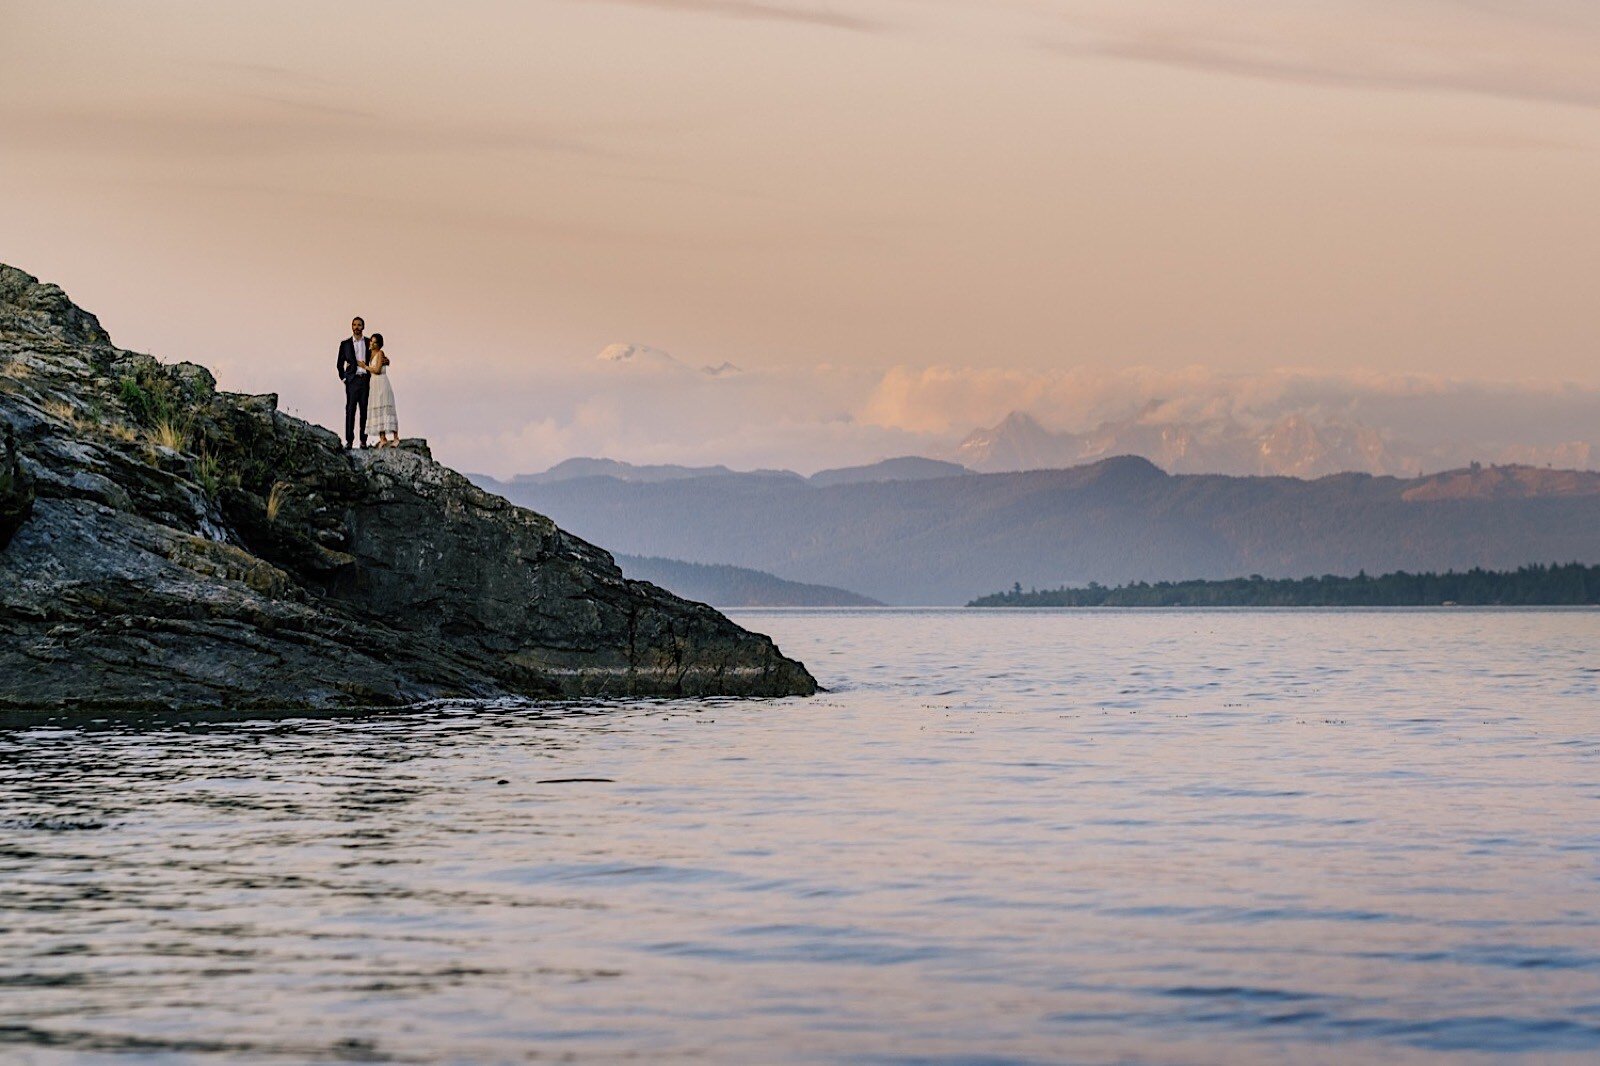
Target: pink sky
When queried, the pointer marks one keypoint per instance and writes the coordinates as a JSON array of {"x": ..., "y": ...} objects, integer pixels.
[{"x": 818, "y": 192}]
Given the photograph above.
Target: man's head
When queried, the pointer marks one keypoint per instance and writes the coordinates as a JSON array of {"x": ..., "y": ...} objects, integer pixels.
[{"x": 356, "y": 327}]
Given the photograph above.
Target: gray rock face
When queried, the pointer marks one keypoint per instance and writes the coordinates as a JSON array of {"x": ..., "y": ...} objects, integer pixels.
[
  {"x": 165, "y": 545},
  {"x": 16, "y": 489}
]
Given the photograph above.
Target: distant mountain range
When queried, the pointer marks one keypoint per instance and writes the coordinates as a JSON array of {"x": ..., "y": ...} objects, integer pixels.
[
  {"x": 585, "y": 467},
  {"x": 735, "y": 586},
  {"x": 1296, "y": 445},
  {"x": 905, "y": 468},
  {"x": 949, "y": 539}
]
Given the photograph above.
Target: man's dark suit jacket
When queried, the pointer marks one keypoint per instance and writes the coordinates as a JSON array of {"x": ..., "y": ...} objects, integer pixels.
[{"x": 347, "y": 359}]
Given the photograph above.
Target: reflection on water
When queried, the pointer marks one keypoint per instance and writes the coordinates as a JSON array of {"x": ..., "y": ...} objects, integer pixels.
[{"x": 1184, "y": 836}]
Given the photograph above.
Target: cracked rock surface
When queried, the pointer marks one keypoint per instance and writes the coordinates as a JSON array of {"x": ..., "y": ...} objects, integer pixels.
[{"x": 165, "y": 545}]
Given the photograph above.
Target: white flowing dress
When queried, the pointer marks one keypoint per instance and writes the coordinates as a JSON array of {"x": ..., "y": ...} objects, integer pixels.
[{"x": 381, "y": 416}]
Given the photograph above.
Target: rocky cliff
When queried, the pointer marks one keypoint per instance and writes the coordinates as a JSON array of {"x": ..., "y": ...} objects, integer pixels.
[{"x": 164, "y": 544}]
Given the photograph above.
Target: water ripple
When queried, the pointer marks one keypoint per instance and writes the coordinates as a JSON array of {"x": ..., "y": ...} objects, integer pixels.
[{"x": 1008, "y": 838}]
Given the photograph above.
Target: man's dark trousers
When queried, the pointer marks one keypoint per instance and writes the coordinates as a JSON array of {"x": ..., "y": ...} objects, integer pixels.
[{"x": 356, "y": 389}]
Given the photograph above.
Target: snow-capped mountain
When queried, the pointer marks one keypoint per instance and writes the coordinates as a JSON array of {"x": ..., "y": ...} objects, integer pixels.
[
  {"x": 638, "y": 355},
  {"x": 644, "y": 357}
]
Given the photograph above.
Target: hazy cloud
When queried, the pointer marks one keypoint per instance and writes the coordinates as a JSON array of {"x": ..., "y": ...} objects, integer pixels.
[
  {"x": 660, "y": 412},
  {"x": 810, "y": 417},
  {"x": 939, "y": 401},
  {"x": 752, "y": 9},
  {"x": 1543, "y": 50}
]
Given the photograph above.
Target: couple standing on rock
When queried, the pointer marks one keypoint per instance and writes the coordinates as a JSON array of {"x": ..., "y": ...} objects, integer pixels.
[{"x": 364, "y": 369}]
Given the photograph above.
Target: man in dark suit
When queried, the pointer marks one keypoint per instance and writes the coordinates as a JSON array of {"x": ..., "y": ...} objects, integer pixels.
[{"x": 357, "y": 382}]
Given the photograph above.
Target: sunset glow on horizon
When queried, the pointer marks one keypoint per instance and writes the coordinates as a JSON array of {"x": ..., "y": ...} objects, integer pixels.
[{"x": 900, "y": 220}]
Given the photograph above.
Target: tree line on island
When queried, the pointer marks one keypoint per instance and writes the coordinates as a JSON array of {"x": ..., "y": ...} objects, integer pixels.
[{"x": 1568, "y": 585}]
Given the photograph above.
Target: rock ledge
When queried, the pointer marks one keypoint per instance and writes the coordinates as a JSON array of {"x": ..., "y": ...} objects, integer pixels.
[{"x": 165, "y": 545}]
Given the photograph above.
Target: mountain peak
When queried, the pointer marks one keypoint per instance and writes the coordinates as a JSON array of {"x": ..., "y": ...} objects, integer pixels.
[
  {"x": 1020, "y": 421},
  {"x": 644, "y": 357},
  {"x": 1019, "y": 442},
  {"x": 640, "y": 355},
  {"x": 900, "y": 468},
  {"x": 1122, "y": 471}
]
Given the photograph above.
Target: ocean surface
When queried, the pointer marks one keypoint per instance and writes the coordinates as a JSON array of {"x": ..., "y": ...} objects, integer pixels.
[{"x": 1009, "y": 836}]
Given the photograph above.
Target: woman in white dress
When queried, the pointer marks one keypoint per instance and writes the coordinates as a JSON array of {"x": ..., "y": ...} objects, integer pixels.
[{"x": 382, "y": 419}]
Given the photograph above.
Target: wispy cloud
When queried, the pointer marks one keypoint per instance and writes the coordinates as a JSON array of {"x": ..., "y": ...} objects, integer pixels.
[
  {"x": 764, "y": 12},
  {"x": 1542, "y": 50}
]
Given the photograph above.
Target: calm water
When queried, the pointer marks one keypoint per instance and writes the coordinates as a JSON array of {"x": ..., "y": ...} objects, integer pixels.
[{"x": 1003, "y": 837}]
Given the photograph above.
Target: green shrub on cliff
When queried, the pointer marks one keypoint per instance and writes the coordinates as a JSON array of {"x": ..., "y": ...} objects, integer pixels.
[{"x": 149, "y": 398}]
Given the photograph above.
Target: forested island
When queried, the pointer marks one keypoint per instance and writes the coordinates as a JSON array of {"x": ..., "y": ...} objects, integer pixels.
[{"x": 1569, "y": 585}]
